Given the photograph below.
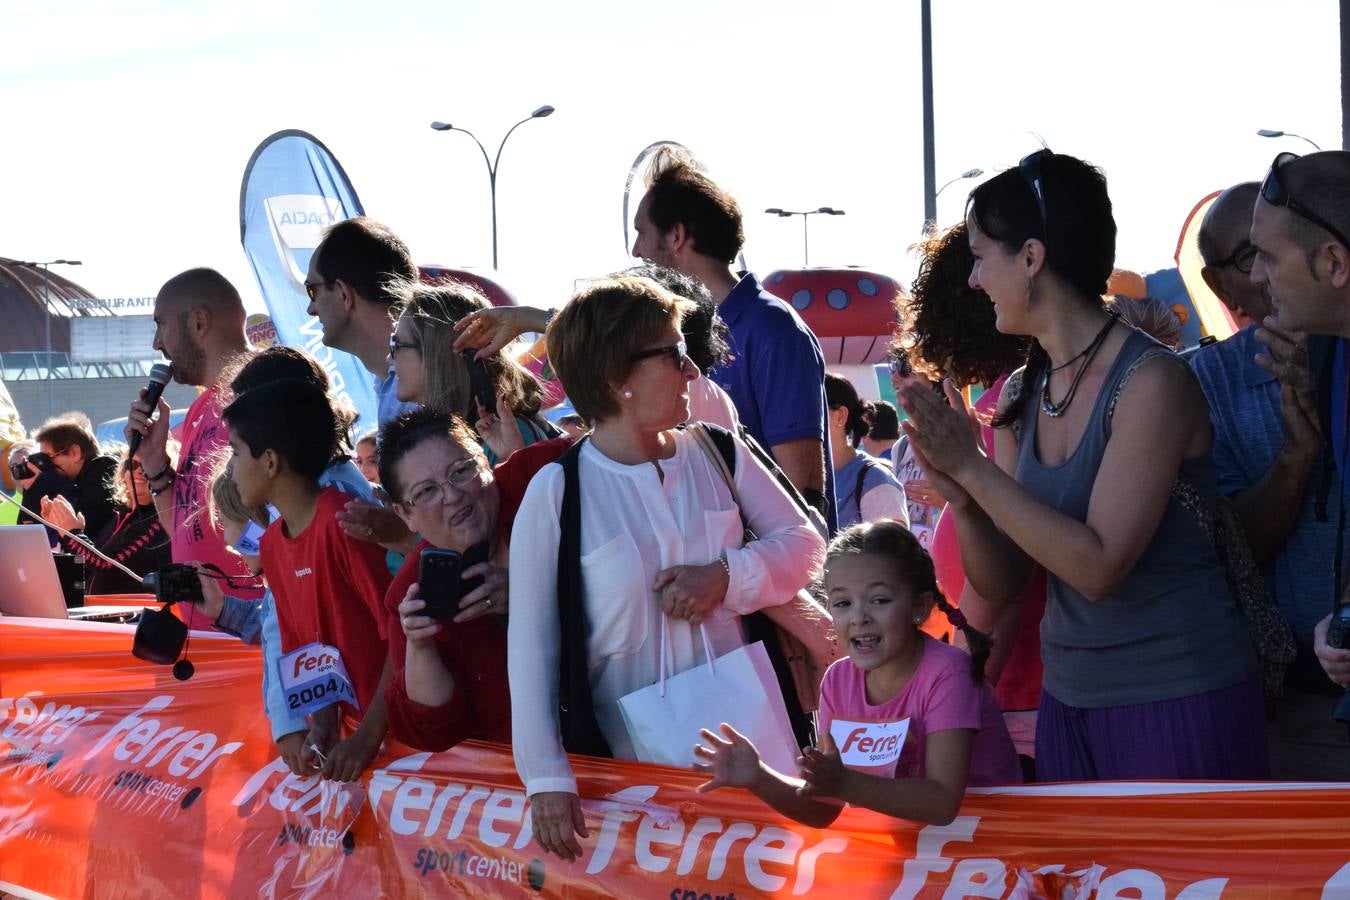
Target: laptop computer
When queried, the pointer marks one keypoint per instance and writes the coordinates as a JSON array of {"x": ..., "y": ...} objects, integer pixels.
[{"x": 29, "y": 585}]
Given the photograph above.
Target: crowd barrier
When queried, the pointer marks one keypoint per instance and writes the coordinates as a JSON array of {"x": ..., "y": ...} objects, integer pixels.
[{"x": 118, "y": 781}]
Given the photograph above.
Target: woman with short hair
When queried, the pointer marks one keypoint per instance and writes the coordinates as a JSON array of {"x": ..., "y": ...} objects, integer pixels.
[{"x": 661, "y": 538}]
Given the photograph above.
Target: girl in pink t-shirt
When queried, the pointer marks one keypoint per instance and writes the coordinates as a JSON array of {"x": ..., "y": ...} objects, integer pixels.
[{"x": 906, "y": 722}]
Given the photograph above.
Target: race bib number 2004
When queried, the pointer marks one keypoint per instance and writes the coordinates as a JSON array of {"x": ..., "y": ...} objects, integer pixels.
[{"x": 313, "y": 677}]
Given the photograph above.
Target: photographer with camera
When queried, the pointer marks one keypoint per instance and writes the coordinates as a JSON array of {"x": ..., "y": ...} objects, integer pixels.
[
  {"x": 69, "y": 442},
  {"x": 38, "y": 480}
]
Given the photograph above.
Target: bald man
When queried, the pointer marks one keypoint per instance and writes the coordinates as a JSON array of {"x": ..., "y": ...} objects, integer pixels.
[
  {"x": 1267, "y": 446},
  {"x": 199, "y": 327},
  {"x": 1299, "y": 226}
]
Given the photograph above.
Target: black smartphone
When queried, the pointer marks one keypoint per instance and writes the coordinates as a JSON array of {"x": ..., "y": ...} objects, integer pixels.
[
  {"x": 438, "y": 581},
  {"x": 474, "y": 555},
  {"x": 480, "y": 385}
]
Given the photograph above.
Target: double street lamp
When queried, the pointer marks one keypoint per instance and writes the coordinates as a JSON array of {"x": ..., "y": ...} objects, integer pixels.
[
  {"x": 542, "y": 112},
  {"x": 805, "y": 214}
]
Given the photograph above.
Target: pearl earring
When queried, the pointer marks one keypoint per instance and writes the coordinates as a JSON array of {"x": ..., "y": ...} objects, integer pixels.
[{"x": 628, "y": 395}]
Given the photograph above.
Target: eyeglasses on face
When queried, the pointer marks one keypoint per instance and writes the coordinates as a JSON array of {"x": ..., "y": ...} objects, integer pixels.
[
  {"x": 312, "y": 287},
  {"x": 1031, "y": 169},
  {"x": 680, "y": 352},
  {"x": 396, "y": 345},
  {"x": 1242, "y": 258},
  {"x": 430, "y": 493},
  {"x": 900, "y": 365},
  {"x": 1275, "y": 193}
]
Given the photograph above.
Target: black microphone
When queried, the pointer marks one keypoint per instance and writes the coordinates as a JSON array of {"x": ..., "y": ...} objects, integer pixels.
[{"x": 160, "y": 373}]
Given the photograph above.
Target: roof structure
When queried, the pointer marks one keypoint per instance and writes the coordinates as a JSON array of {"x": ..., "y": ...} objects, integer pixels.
[{"x": 22, "y": 308}]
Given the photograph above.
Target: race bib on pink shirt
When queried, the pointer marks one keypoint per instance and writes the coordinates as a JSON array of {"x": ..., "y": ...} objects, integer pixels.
[{"x": 871, "y": 747}]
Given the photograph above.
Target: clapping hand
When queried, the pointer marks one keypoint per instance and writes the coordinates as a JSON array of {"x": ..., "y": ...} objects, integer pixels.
[
  {"x": 822, "y": 769},
  {"x": 732, "y": 761}
]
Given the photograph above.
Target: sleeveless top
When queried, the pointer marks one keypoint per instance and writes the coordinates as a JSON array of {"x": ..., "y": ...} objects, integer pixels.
[{"x": 1170, "y": 628}]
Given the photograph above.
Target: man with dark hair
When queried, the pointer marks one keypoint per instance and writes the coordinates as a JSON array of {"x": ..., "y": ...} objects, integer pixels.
[
  {"x": 1299, "y": 227},
  {"x": 71, "y": 446},
  {"x": 351, "y": 284},
  {"x": 1267, "y": 445},
  {"x": 777, "y": 375},
  {"x": 199, "y": 327}
]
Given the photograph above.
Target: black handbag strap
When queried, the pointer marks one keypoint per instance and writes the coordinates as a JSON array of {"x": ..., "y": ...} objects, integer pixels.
[
  {"x": 576, "y": 710},
  {"x": 758, "y": 626}
]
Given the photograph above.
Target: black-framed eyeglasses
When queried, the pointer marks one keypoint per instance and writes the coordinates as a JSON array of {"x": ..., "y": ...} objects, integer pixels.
[
  {"x": 396, "y": 345},
  {"x": 1275, "y": 193},
  {"x": 1030, "y": 167},
  {"x": 679, "y": 351},
  {"x": 312, "y": 287},
  {"x": 1242, "y": 258},
  {"x": 458, "y": 476}
]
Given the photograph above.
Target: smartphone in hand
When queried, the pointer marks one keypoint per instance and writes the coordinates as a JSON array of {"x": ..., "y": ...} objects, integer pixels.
[{"x": 438, "y": 581}]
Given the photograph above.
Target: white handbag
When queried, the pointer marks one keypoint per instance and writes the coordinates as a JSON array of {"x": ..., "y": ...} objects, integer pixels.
[{"x": 739, "y": 688}]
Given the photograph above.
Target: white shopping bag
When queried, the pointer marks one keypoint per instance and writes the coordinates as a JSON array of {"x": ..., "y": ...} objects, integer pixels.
[{"x": 739, "y": 688}]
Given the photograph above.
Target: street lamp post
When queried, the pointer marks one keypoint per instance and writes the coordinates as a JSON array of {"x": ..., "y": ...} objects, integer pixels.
[
  {"x": 930, "y": 225},
  {"x": 1272, "y": 133},
  {"x": 805, "y": 214},
  {"x": 47, "y": 309},
  {"x": 542, "y": 112}
]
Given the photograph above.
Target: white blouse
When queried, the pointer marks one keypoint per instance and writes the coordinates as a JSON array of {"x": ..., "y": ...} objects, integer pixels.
[{"x": 633, "y": 525}]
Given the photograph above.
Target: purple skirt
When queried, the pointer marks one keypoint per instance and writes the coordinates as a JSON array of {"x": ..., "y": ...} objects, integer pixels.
[{"x": 1219, "y": 735}]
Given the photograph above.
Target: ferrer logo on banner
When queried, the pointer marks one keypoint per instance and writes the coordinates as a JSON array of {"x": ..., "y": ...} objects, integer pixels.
[{"x": 293, "y": 190}]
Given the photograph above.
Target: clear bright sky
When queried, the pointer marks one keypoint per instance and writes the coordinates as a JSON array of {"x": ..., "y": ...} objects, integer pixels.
[{"x": 129, "y": 122}]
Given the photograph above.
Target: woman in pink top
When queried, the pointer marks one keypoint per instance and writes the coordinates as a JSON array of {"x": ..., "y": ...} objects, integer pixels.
[{"x": 906, "y": 722}]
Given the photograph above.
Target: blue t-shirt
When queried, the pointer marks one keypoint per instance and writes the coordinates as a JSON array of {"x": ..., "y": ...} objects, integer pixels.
[
  {"x": 1244, "y": 405},
  {"x": 776, "y": 377},
  {"x": 846, "y": 486},
  {"x": 387, "y": 404}
]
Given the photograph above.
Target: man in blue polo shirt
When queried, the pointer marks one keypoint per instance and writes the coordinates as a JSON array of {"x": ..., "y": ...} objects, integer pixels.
[
  {"x": 777, "y": 375},
  {"x": 1268, "y": 455}
]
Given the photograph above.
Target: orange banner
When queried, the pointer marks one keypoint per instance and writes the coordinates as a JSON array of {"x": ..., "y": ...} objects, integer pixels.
[{"x": 118, "y": 781}]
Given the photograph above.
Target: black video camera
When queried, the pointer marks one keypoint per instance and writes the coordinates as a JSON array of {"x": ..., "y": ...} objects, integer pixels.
[
  {"x": 174, "y": 583},
  {"x": 1338, "y": 636},
  {"x": 160, "y": 635}
]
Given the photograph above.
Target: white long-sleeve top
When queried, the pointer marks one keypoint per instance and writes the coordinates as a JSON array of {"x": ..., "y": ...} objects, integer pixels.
[{"x": 633, "y": 525}]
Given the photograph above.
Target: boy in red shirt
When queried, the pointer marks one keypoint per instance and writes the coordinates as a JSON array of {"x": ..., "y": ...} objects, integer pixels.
[{"x": 328, "y": 586}]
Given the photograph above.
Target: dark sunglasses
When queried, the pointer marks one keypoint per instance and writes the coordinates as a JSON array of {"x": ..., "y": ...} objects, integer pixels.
[
  {"x": 1030, "y": 167},
  {"x": 312, "y": 287},
  {"x": 1276, "y": 194},
  {"x": 1242, "y": 258},
  {"x": 679, "y": 351},
  {"x": 396, "y": 345}
]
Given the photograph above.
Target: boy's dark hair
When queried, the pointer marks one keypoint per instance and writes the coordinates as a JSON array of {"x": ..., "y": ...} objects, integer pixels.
[
  {"x": 292, "y": 418},
  {"x": 402, "y": 434},
  {"x": 680, "y": 193},
  {"x": 279, "y": 362},
  {"x": 705, "y": 334},
  {"x": 368, "y": 256},
  {"x": 894, "y": 543}
]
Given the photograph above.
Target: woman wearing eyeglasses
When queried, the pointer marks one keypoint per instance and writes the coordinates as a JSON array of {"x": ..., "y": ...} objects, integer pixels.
[
  {"x": 1149, "y": 671},
  {"x": 499, "y": 396},
  {"x": 449, "y": 674},
  {"x": 660, "y": 540}
]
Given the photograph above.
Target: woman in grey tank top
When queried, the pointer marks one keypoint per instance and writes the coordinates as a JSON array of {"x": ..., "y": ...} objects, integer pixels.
[{"x": 1149, "y": 672}]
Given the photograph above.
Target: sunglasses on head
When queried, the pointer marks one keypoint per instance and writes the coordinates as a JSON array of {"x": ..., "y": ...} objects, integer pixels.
[
  {"x": 1275, "y": 193},
  {"x": 1031, "y": 169}
]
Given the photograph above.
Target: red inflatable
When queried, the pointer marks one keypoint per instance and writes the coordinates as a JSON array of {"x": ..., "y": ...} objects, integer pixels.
[
  {"x": 851, "y": 311},
  {"x": 496, "y": 294}
]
